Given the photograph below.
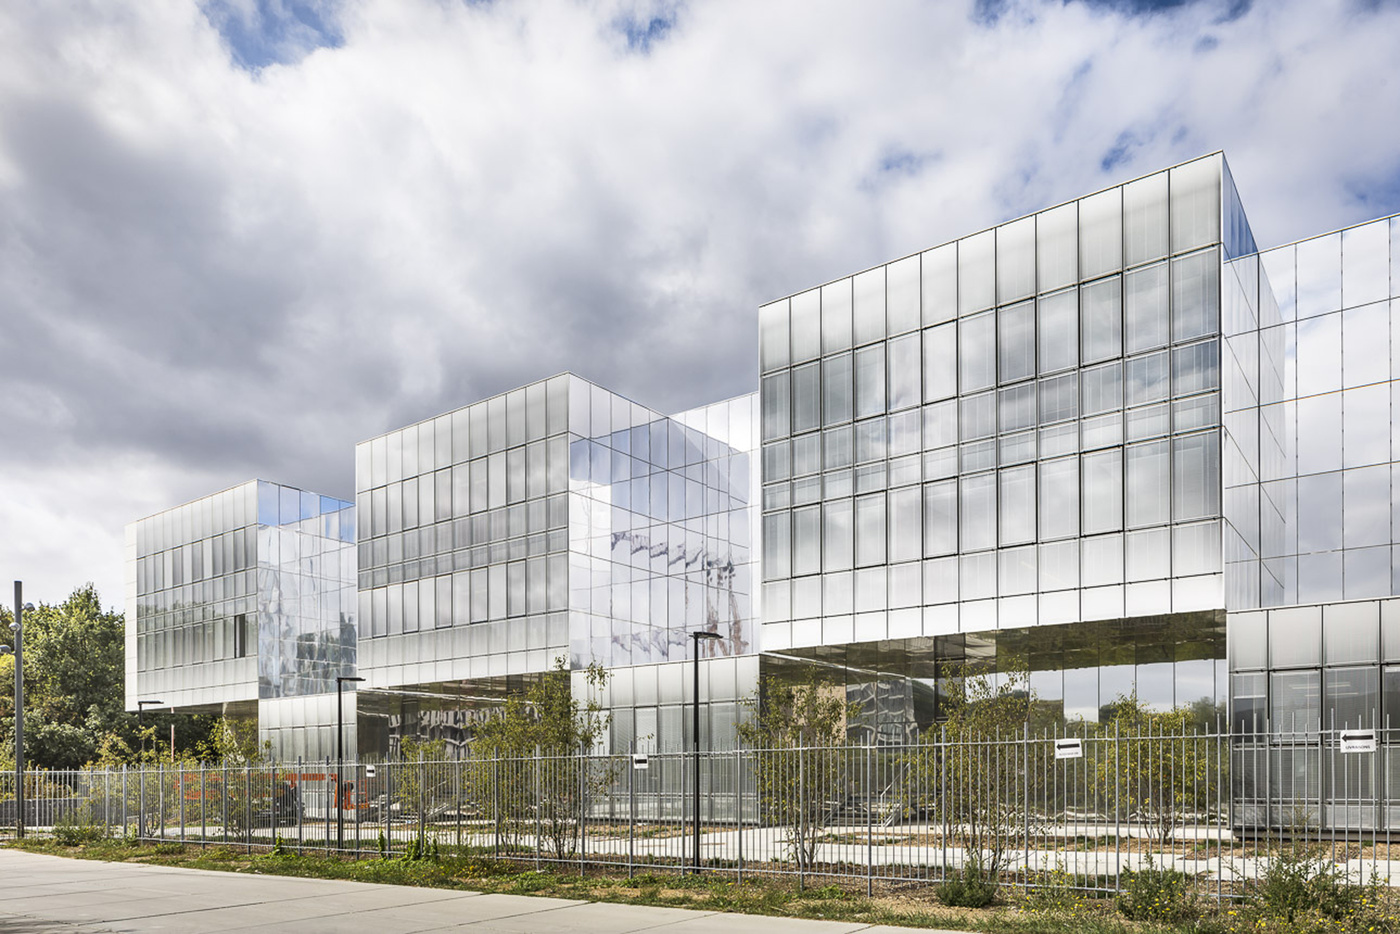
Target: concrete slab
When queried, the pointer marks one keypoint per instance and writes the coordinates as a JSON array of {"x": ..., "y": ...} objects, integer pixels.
[
  {"x": 47, "y": 895},
  {"x": 586, "y": 918}
]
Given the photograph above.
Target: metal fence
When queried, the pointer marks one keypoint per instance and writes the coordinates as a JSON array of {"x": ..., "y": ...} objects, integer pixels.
[{"x": 1087, "y": 808}]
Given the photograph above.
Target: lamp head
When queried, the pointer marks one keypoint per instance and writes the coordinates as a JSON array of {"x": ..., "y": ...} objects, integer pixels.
[
  {"x": 29, "y": 608},
  {"x": 5, "y": 650},
  {"x": 705, "y": 634}
]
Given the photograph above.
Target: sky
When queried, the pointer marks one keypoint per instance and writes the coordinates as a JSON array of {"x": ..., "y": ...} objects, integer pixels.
[{"x": 238, "y": 237}]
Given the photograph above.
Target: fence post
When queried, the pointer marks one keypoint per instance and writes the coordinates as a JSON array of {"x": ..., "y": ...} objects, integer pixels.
[
  {"x": 538, "y": 841},
  {"x": 739, "y": 822},
  {"x": 248, "y": 807},
  {"x": 299, "y": 807},
  {"x": 1117, "y": 817},
  {"x": 582, "y": 808},
  {"x": 1026, "y": 801},
  {"x": 631, "y": 814},
  {"x": 801, "y": 840},
  {"x": 223, "y": 800},
  {"x": 869, "y": 824}
]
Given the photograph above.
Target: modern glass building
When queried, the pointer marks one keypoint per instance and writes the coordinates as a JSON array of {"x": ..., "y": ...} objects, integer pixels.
[
  {"x": 558, "y": 520},
  {"x": 1112, "y": 441},
  {"x": 1011, "y": 444},
  {"x": 242, "y": 603}
]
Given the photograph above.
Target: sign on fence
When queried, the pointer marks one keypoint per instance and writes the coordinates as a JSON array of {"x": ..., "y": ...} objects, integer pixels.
[
  {"x": 639, "y": 761},
  {"x": 1358, "y": 740},
  {"x": 1069, "y": 749}
]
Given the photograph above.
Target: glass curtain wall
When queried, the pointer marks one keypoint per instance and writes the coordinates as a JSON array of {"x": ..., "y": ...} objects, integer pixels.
[
  {"x": 1016, "y": 428},
  {"x": 244, "y": 594}
]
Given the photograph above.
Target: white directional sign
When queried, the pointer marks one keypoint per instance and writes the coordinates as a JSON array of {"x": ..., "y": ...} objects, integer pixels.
[
  {"x": 1359, "y": 741},
  {"x": 639, "y": 762},
  {"x": 1069, "y": 749}
]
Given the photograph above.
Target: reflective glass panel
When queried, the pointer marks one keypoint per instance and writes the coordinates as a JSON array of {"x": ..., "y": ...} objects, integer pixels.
[
  {"x": 904, "y": 372},
  {"x": 1145, "y": 307},
  {"x": 837, "y": 391},
  {"x": 978, "y": 512},
  {"x": 977, "y": 352},
  {"x": 806, "y": 398},
  {"x": 1366, "y": 264},
  {"x": 1015, "y": 260},
  {"x": 1017, "y": 503},
  {"x": 940, "y": 362},
  {"x": 1057, "y": 246},
  {"x": 976, "y": 272},
  {"x": 839, "y": 540},
  {"x": 1196, "y": 295},
  {"x": 1195, "y": 204},
  {"x": 940, "y": 284},
  {"x": 870, "y": 381},
  {"x": 870, "y": 530},
  {"x": 836, "y": 316},
  {"x": 1145, "y": 219},
  {"x": 1319, "y": 271},
  {"x": 1101, "y": 233},
  {"x": 1059, "y": 330},
  {"x": 1149, "y": 483},
  {"x": 868, "y": 301},
  {"x": 806, "y": 325},
  {"x": 940, "y": 518},
  {"x": 1103, "y": 491},
  {"x": 902, "y": 298},
  {"x": 1016, "y": 341}
]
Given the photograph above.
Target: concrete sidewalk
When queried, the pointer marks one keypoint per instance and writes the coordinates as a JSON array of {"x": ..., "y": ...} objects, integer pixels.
[{"x": 51, "y": 894}]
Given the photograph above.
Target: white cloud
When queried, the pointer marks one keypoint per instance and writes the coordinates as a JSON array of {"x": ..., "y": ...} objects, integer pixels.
[{"x": 209, "y": 273}]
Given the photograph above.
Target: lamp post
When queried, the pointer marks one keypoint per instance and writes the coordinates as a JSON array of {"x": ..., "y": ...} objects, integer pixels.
[
  {"x": 18, "y": 628},
  {"x": 141, "y": 706},
  {"x": 340, "y": 683},
  {"x": 696, "y": 637}
]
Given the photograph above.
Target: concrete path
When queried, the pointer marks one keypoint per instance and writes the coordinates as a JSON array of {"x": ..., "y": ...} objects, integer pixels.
[{"x": 50, "y": 894}]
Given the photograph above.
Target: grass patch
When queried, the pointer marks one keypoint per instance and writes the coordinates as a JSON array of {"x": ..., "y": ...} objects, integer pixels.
[{"x": 913, "y": 905}]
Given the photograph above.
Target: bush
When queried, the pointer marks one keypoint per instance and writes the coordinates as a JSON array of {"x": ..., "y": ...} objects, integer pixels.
[
  {"x": 1299, "y": 880},
  {"x": 968, "y": 887},
  {"x": 1053, "y": 893},
  {"x": 1154, "y": 894},
  {"x": 77, "y": 828}
]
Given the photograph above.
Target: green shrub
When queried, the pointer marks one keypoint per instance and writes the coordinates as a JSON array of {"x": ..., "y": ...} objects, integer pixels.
[
  {"x": 1155, "y": 894},
  {"x": 77, "y": 828},
  {"x": 1054, "y": 893},
  {"x": 1299, "y": 880},
  {"x": 968, "y": 887}
]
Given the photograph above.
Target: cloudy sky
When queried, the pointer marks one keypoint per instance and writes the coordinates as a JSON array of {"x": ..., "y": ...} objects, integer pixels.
[{"x": 237, "y": 237}]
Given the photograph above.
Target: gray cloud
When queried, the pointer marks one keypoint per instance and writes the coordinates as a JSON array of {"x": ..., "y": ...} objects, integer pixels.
[{"x": 235, "y": 254}]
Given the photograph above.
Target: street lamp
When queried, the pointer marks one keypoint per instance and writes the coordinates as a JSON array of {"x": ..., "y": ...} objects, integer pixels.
[
  {"x": 18, "y": 628},
  {"x": 141, "y": 706},
  {"x": 340, "y": 683},
  {"x": 695, "y": 738}
]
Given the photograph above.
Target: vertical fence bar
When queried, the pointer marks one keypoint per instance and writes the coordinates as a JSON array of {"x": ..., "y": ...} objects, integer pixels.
[{"x": 869, "y": 825}]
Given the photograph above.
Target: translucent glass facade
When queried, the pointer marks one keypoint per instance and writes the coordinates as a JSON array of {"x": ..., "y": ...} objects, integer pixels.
[
  {"x": 1319, "y": 522},
  {"x": 1018, "y": 428},
  {"x": 1325, "y": 339},
  {"x": 246, "y": 595},
  {"x": 558, "y": 519}
]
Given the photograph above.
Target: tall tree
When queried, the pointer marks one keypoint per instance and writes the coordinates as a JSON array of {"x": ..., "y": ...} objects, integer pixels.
[{"x": 74, "y": 675}]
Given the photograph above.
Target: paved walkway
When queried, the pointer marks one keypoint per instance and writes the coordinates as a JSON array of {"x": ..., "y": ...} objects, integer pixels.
[{"x": 50, "y": 894}]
